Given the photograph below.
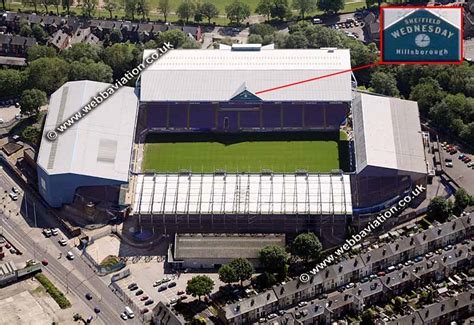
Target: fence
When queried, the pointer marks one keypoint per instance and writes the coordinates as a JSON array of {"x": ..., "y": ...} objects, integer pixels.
[
  {"x": 119, "y": 292},
  {"x": 100, "y": 269}
]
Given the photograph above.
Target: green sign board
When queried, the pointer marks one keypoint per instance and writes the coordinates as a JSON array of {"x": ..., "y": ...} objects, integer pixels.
[{"x": 421, "y": 36}]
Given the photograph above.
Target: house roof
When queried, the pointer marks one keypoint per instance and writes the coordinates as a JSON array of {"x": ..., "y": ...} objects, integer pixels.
[
  {"x": 252, "y": 303},
  {"x": 215, "y": 75}
]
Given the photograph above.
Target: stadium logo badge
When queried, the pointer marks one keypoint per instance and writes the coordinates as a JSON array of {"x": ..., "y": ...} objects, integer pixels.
[{"x": 421, "y": 35}]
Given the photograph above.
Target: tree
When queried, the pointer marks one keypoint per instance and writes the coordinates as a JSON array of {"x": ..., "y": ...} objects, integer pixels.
[
  {"x": 56, "y": 4},
  {"x": 368, "y": 317},
  {"x": 297, "y": 40},
  {"x": 122, "y": 57},
  {"x": 31, "y": 134},
  {"x": 31, "y": 100},
  {"x": 48, "y": 74},
  {"x": 427, "y": 93},
  {"x": 330, "y": 6},
  {"x": 237, "y": 11},
  {"x": 200, "y": 285},
  {"x": 273, "y": 258},
  {"x": 175, "y": 37},
  {"x": 45, "y": 4},
  {"x": 307, "y": 246},
  {"x": 191, "y": 44},
  {"x": 4, "y": 4},
  {"x": 439, "y": 209},
  {"x": 186, "y": 10},
  {"x": 280, "y": 9},
  {"x": 398, "y": 304},
  {"x": 89, "y": 7},
  {"x": 462, "y": 199},
  {"x": 111, "y": 6},
  {"x": 130, "y": 8},
  {"x": 87, "y": 69},
  {"x": 261, "y": 29},
  {"x": 243, "y": 268},
  {"x": 304, "y": 6},
  {"x": 12, "y": 82},
  {"x": 115, "y": 36},
  {"x": 34, "y": 3},
  {"x": 25, "y": 30},
  {"x": 164, "y": 7},
  {"x": 67, "y": 5},
  {"x": 254, "y": 39},
  {"x": 142, "y": 8},
  {"x": 384, "y": 83},
  {"x": 39, "y": 33},
  {"x": 83, "y": 51},
  {"x": 264, "y": 8},
  {"x": 40, "y": 51},
  {"x": 209, "y": 11},
  {"x": 227, "y": 274}
]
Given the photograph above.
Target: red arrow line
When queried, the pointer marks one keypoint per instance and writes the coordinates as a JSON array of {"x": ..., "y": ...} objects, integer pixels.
[{"x": 317, "y": 78}]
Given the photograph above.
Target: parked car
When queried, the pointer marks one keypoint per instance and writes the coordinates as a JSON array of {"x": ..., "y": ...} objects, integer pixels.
[
  {"x": 317, "y": 21},
  {"x": 123, "y": 316},
  {"x": 181, "y": 292},
  {"x": 145, "y": 310},
  {"x": 449, "y": 164},
  {"x": 149, "y": 302},
  {"x": 70, "y": 255},
  {"x": 62, "y": 242},
  {"x": 381, "y": 273},
  {"x": 144, "y": 298},
  {"x": 131, "y": 285},
  {"x": 54, "y": 231},
  {"x": 96, "y": 310},
  {"x": 162, "y": 288},
  {"x": 88, "y": 296},
  {"x": 44, "y": 262},
  {"x": 302, "y": 304},
  {"x": 172, "y": 284},
  {"x": 139, "y": 292},
  {"x": 47, "y": 232}
]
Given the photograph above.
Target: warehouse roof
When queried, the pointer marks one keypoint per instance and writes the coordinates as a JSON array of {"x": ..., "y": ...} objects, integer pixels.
[
  {"x": 247, "y": 194},
  {"x": 216, "y": 75},
  {"x": 224, "y": 245},
  {"x": 387, "y": 133},
  {"x": 97, "y": 145}
]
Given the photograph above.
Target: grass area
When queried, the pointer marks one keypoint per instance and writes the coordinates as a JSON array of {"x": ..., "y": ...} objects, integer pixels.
[
  {"x": 279, "y": 152},
  {"x": 54, "y": 292},
  {"x": 351, "y": 6},
  {"x": 109, "y": 261}
]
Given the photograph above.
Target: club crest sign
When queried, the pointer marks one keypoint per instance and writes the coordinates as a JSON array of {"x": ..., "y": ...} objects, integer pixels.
[{"x": 421, "y": 34}]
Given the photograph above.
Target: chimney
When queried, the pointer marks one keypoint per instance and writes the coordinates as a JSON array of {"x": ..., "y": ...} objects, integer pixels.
[
  {"x": 268, "y": 296},
  {"x": 356, "y": 262},
  {"x": 327, "y": 273},
  {"x": 346, "y": 297},
  {"x": 412, "y": 240},
  {"x": 442, "y": 307},
  {"x": 237, "y": 308},
  {"x": 439, "y": 231},
  {"x": 252, "y": 302},
  {"x": 424, "y": 236},
  {"x": 456, "y": 301},
  {"x": 388, "y": 280},
  {"x": 359, "y": 292},
  {"x": 282, "y": 290},
  {"x": 427, "y": 313},
  {"x": 397, "y": 246},
  {"x": 368, "y": 257},
  {"x": 384, "y": 251},
  {"x": 454, "y": 225},
  {"x": 340, "y": 268}
]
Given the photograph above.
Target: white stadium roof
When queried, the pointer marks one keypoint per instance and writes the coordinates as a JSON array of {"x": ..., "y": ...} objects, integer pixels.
[
  {"x": 388, "y": 133},
  {"x": 317, "y": 194},
  {"x": 99, "y": 144},
  {"x": 216, "y": 75}
]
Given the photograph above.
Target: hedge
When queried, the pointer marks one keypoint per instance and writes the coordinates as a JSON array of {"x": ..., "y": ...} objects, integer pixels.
[{"x": 54, "y": 292}]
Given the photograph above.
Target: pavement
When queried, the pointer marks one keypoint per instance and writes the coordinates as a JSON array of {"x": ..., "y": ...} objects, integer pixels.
[
  {"x": 73, "y": 277},
  {"x": 8, "y": 113}
]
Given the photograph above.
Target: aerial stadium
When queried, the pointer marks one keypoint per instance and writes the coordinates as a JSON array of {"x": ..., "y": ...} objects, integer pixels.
[{"x": 248, "y": 138}]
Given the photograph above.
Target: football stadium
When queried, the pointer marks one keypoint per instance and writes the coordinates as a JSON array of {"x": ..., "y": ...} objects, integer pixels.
[{"x": 246, "y": 138}]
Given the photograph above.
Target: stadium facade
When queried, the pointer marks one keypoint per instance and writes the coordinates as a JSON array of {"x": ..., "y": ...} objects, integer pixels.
[{"x": 243, "y": 88}]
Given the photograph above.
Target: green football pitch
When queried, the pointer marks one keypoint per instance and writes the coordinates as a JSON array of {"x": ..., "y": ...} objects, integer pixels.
[{"x": 243, "y": 153}]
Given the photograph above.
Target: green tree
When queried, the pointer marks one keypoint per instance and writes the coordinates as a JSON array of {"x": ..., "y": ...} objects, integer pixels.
[
  {"x": 264, "y": 8},
  {"x": 48, "y": 74},
  {"x": 46, "y": 4},
  {"x": 237, "y": 12},
  {"x": 280, "y": 9},
  {"x": 304, "y": 6},
  {"x": 209, "y": 11},
  {"x": 384, "y": 83},
  {"x": 175, "y": 37},
  {"x": 4, "y": 4},
  {"x": 330, "y": 6},
  {"x": 33, "y": 3},
  {"x": 261, "y": 29},
  {"x": 243, "y": 269},
  {"x": 38, "y": 32},
  {"x": 25, "y": 30},
  {"x": 67, "y": 5},
  {"x": 130, "y": 8},
  {"x": 462, "y": 199},
  {"x": 87, "y": 69},
  {"x": 255, "y": 39},
  {"x": 427, "y": 93},
  {"x": 200, "y": 285},
  {"x": 273, "y": 258},
  {"x": 227, "y": 274},
  {"x": 40, "y": 51},
  {"x": 122, "y": 57},
  {"x": 439, "y": 209},
  {"x": 468, "y": 133},
  {"x": 12, "y": 82},
  {"x": 111, "y": 6},
  {"x": 30, "y": 134},
  {"x": 56, "y": 4},
  {"x": 398, "y": 304},
  {"x": 115, "y": 36},
  {"x": 191, "y": 44},
  {"x": 186, "y": 10},
  {"x": 297, "y": 40},
  {"x": 307, "y": 247},
  {"x": 83, "y": 51},
  {"x": 164, "y": 7},
  {"x": 368, "y": 317},
  {"x": 89, "y": 7},
  {"x": 31, "y": 100},
  {"x": 142, "y": 8}
]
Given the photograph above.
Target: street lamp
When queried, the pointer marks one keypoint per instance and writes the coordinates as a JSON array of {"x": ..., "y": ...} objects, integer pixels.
[{"x": 67, "y": 281}]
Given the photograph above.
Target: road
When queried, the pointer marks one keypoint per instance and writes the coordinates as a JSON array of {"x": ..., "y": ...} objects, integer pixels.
[{"x": 76, "y": 276}]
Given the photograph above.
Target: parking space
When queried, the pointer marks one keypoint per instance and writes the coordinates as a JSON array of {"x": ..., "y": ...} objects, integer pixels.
[
  {"x": 8, "y": 113},
  {"x": 460, "y": 171}
]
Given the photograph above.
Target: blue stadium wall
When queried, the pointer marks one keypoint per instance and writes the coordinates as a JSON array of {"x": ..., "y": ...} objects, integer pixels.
[
  {"x": 238, "y": 116},
  {"x": 60, "y": 189}
]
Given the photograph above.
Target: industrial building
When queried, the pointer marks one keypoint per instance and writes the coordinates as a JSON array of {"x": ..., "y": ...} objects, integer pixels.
[{"x": 94, "y": 151}]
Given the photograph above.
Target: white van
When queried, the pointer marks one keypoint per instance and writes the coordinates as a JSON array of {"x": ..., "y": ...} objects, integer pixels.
[{"x": 129, "y": 312}]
